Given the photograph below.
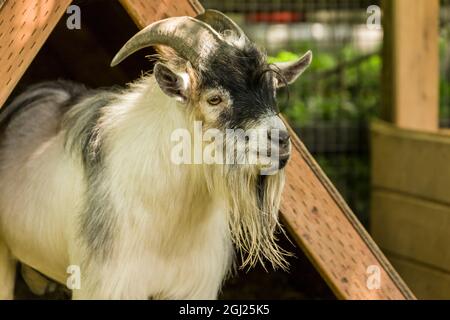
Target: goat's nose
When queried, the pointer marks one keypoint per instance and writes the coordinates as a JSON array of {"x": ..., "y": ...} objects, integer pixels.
[
  {"x": 284, "y": 139},
  {"x": 284, "y": 147}
]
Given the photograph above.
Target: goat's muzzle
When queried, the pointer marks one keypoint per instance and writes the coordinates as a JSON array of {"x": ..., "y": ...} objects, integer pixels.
[
  {"x": 279, "y": 152},
  {"x": 284, "y": 148}
]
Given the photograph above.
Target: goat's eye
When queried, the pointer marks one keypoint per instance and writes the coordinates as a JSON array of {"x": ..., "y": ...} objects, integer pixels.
[{"x": 215, "y": 100}]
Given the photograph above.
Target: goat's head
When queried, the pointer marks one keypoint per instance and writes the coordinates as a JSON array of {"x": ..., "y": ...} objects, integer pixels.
[{"x": 208, "y": 64}]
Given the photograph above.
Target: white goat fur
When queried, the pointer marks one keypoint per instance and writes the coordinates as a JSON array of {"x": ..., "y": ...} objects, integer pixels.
[{"x": 170, "y": 235}]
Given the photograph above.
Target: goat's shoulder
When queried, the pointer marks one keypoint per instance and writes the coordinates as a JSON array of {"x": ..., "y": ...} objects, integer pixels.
[
  {"x": 45, "y": 95},
  {"x": 36, "y": 113}
]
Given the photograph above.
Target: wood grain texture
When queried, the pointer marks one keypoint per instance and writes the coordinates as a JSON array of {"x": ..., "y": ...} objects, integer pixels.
[
  {"x": 412, "y": 228},
  {"x": 410, "y": 215},
  {"x": 24, "y": 27},
  {"x": 411, "y": 70},
  {"x": 411, "y": 162},
  {"x": 427, "y": 282},
  {"x": 144, "y": 12}
]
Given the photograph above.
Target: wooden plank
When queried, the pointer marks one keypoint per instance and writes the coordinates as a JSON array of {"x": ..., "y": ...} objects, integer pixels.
[
  {"x": 411, "y": 70},
  {"x": 409, "y": 227},
  {"x": 411, "y": 162},
  {"x": 317, "y": 216},
  {"x": 24, "y": 27},
  {"x": 144, "y": 12},
  {"x": 427, "y": 283}
]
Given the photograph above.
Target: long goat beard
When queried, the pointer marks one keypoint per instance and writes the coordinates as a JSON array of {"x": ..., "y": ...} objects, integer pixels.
[{"x": 253, "y": 202}]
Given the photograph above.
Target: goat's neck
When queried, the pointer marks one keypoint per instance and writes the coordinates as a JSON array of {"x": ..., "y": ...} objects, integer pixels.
[{"x": 140, "y": 161}]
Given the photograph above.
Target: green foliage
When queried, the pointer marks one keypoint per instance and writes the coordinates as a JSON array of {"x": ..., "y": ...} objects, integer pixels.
[
  {"x": 334, "y": 87},
  {"x": 283, "y": 56},
  {"x": 444, "y": 83},
  {"x": 345, "y": 86},
  {"x": 323, "y": 61}
]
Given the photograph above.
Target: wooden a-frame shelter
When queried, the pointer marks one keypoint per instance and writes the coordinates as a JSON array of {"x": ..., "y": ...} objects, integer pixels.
[{"x": 315, "y": 214}]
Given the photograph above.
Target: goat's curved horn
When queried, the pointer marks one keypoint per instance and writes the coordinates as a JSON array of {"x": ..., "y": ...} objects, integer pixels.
[
  {"x": 220, "y": 22},
  {"x": 192, "y": 39}
]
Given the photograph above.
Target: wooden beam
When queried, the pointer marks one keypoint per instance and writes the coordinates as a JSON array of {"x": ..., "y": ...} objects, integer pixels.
[
  {"x": 144, "y": 12},
  {"x": 24, "y": 27},
  {"x": 411, "y": 68}
]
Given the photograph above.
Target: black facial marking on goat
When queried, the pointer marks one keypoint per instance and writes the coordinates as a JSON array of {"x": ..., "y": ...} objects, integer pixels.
[{"x": 243, "y": 73}]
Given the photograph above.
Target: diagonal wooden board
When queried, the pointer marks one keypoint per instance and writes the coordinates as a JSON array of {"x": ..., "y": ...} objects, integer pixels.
[
  {"x": 24, "y": 27},
  {"x": 313, "y": 211},
  {"x": 331, "y": 236}
]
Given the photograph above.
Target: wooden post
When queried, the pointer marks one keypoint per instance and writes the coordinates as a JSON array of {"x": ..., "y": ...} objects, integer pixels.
[{"x": 411, "y": 68}]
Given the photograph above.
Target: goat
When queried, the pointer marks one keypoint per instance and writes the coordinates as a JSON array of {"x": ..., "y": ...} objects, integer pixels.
[{"x": 86, "y": 176}]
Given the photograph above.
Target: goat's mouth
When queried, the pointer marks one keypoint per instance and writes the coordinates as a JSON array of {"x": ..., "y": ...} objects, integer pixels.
[
  {"x": 273, "y": 165},
  {"x": 283, "y": 160}
]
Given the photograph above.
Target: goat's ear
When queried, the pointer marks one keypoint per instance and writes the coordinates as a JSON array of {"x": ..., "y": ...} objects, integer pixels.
[
  {"x": 290, "y": 71},
  {"x": 173, "y": 84}
]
